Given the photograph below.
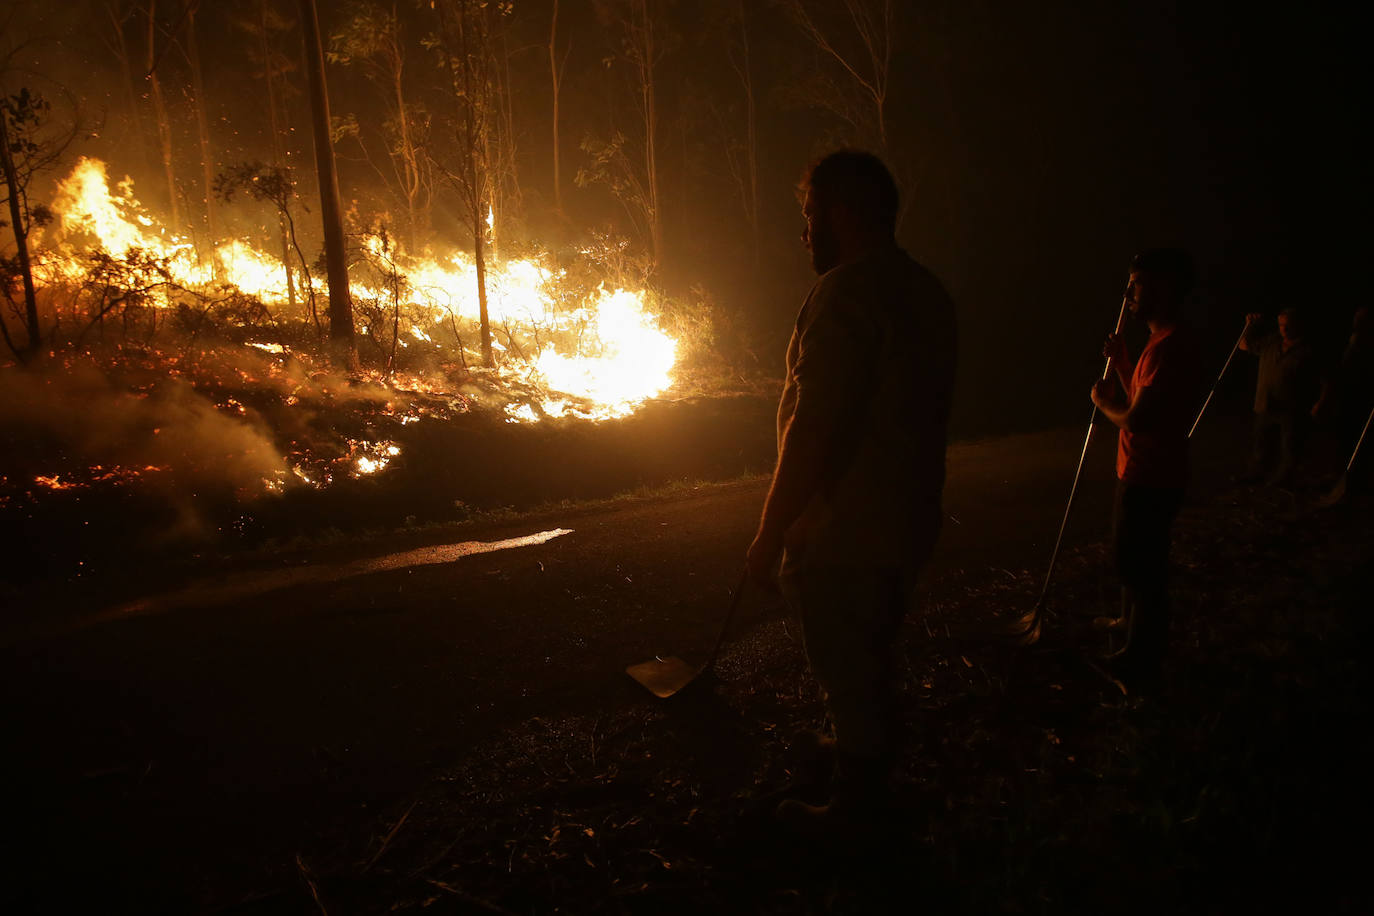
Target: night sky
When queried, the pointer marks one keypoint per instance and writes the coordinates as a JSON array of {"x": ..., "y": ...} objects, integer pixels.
[{"x": 1039, "y": 146}]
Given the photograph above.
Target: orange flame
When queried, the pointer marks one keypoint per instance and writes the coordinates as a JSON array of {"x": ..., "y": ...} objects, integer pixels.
[{"x": 600, "y": 359}]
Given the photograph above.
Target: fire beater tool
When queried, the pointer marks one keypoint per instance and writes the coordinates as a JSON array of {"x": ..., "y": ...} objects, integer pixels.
[
  {"x": 1026, "y": 630},
  {"x": 1338, "y": 491},
  {"x": 664, "y": 677},
  {"x": 1224, "y": 367}
]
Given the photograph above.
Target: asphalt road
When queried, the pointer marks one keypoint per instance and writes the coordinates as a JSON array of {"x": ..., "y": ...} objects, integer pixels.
[{"x": 200, "y": 730}]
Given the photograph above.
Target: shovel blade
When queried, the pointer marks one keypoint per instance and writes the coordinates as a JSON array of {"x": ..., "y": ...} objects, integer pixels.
[
  {"x": 1025, "y": 631},
  {"x": 663, "y": 677}
]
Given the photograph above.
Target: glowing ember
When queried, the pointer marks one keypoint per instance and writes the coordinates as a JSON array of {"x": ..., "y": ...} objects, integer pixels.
[{"x": 371, "y": 457}]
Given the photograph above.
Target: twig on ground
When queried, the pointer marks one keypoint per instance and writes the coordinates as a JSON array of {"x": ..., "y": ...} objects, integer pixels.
[
  {"x": 466, "y": 897},
  {"x": 310, "y": 883},
  {"x": 386, "y": 843}
]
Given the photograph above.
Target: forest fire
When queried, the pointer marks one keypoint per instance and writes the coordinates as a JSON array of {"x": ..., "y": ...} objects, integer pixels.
[
  {"x": 593, "y": 352},
  {"x": 208, "y": 365}
]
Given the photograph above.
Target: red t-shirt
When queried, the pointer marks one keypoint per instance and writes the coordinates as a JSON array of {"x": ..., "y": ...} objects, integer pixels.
[{"x": 1157, "y": 455}]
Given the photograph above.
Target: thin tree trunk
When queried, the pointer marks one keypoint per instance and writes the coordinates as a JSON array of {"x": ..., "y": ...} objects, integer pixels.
[
  {"x": 207, "y": 158},
  {"x": 475, "y": 176},
  {"x": 164, "y": 127},
  {"x": 410, "y": 164},
  {"x": 554, "y": 77},
  {"x": 21, "y": 244},
  {"x": 484, "y": 325},
  {"x": 410, "y": 172},
  {"x": 284, "y": 230},
  {"x": 473, "y": 149},
  {"x": 650, "y": 133},
  {"x": 120, "y": 48},
  {"x": 336, "y": 258},
  {"x": 751, "y": 149}
]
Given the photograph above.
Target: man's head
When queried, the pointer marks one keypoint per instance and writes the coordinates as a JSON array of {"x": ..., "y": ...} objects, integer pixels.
[
  {"x": 850, "y": 205},
  {"x": 1290, "y": 324},
  {"x": 1161, "y": 279}
]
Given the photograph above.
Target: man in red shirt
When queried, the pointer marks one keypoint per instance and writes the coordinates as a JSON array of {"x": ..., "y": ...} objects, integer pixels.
[{"x": 1152, "y": 454}]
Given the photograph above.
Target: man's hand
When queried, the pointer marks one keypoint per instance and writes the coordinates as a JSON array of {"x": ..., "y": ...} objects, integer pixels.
[
  {"x": 1252, "y": 321},
  {"x": 1114, "y": 348},
  {"x": 763, "y": 558},
  {"x": 1104, "y": 394}
]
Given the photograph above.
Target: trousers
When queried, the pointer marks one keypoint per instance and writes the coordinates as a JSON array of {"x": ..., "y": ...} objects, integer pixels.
[
  {"x": 851, "y": 618},
  {"x": 1279, "y": 438},
  {"x": 1141, "y": 524}
]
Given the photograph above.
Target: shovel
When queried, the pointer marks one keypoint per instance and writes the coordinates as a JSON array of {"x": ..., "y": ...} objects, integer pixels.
[{"x": 664, "y": 677}]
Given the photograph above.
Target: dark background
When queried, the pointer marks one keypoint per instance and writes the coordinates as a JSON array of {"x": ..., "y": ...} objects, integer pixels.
[{"x": 1039, "y": 147}]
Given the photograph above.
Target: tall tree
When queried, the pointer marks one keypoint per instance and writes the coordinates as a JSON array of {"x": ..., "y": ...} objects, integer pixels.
[
  {"x": 265, "y": 25},
  {"x": 856, "y": 36},
  {"x": 371, "y": 38},
  {"x": 30, "y": 143},
  {"x": 556, "y": 68},
  {"x": 120, "y": 13},
  {"x": 18, "y": 115},
  {"x": 747, "y": 171},
  {"x": 643, "y": 51},
  {"x": 633, "y": 175},
  {"x": 463, "y": 40},
  {"x": 335, "y": 253},
  {"x": 207, "y": 156},
  {"x": 164, "y": 124}
]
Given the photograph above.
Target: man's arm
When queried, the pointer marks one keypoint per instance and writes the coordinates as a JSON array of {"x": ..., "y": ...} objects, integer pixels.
[
  {"x": 801, "y": 461},
  {"x": 831, "y": 373},
  {"x": 1134, "y": 416},
  {"x": 1249, "y": 338}
]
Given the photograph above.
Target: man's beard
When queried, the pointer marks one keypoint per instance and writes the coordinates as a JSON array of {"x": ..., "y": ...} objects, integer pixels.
[{"x": 824, "y": 255}]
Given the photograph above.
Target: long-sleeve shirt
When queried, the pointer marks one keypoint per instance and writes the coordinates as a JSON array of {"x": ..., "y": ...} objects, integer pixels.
[{"x": 870, "y": 377}]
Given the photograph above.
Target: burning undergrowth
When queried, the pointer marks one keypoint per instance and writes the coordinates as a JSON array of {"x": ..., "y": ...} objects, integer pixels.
[
  {"x": 78, "y": 427},
  {"x": 132, "y": 452},
  {"x": 194, "y": 385},
  {"x": 570, "y": 337}
]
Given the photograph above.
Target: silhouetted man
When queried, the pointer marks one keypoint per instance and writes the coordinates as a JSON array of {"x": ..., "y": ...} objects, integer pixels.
[
  {"x": 1152, "y": 454},
  {"x": 1286, "y": 392},
  {"x": 854, "y": 506}
]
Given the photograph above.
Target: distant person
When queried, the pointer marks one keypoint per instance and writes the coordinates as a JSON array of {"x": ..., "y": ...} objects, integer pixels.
[
  {"x": 1286, "y": 390},
  {"x": 1160, "y": 393},
  {"x": 853, "y": 511},
  {"x": 1346, "y": 399}
]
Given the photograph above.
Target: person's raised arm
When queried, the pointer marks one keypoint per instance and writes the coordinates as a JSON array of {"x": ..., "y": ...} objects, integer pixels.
[{"x": 1250, "y": 336}]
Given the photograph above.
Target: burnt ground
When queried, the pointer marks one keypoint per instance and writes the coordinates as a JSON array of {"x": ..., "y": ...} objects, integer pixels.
[{"x": 460, "y": 737}]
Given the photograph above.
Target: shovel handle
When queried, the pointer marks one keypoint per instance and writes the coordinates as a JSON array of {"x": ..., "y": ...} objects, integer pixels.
[{"x": 735, "y": 597}]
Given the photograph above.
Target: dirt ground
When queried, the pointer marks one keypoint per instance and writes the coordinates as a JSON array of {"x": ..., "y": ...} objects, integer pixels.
[{"x": 456, "y": 734}]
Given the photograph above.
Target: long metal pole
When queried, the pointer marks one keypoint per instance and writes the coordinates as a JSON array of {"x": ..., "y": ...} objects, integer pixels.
[
  {"x": 1217, "y": 382},
  {"x": 1351, "y": 463},
  {"x": 1338, "y": 491},
  {"x": 1032, "y": 622}
]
